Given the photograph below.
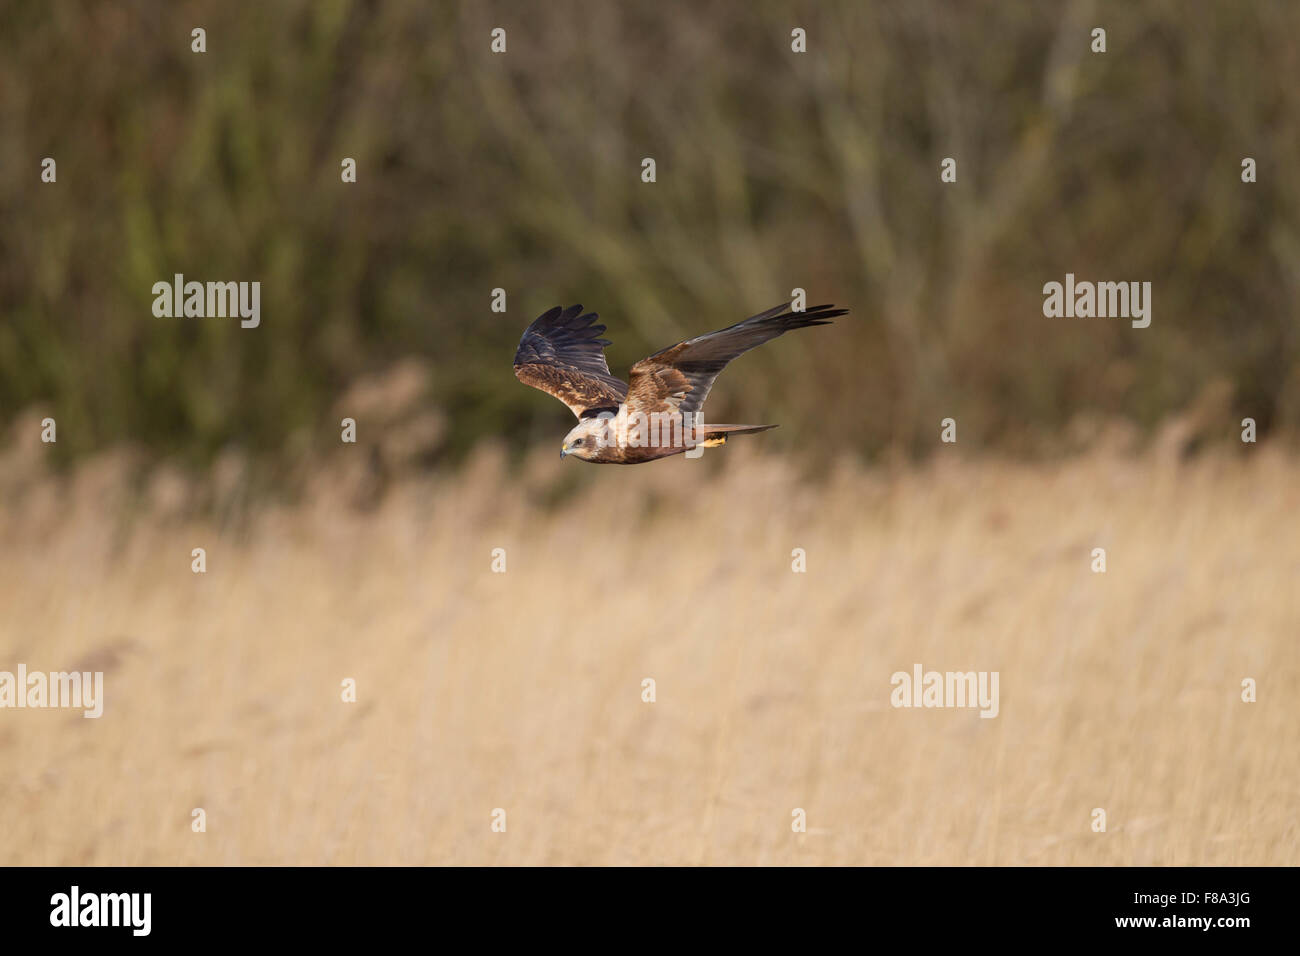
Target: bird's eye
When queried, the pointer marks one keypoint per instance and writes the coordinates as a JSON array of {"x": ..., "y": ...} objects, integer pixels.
[{"x": 577, "y": 441}]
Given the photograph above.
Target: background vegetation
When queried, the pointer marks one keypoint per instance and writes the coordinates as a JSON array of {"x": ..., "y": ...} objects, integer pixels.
[{"x": 521, "y": 171}]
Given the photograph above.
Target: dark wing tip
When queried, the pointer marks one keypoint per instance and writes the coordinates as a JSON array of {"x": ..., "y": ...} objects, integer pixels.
[
  {"x": 572, "y": 319},
  {"x": 546, "y": 319},
  {"x": 816, "y": 315},
  {"x": 827, "y": 311}
]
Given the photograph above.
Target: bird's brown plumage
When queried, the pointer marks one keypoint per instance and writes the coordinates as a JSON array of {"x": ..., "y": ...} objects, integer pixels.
[
  {"x": 680, "y": 377},
  {"x": 562, "y": 354}
]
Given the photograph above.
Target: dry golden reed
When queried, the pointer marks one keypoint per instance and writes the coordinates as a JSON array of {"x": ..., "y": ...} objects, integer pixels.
[{"x": 522, "y": 690}]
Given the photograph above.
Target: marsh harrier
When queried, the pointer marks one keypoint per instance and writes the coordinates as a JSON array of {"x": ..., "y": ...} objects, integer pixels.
[{"x": 657, "y": 413}]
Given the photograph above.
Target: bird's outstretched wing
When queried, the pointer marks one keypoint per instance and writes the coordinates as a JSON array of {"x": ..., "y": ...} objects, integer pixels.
[
  {"x": 562, "y": 354},
  {"x": 680, "y": 376}
]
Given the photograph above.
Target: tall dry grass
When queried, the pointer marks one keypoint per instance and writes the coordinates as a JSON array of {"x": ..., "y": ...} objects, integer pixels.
[{"x": 522, "y": 690}]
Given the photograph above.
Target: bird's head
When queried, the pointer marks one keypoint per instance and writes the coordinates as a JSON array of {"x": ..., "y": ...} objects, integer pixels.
[{"x": 588, "y": 440}]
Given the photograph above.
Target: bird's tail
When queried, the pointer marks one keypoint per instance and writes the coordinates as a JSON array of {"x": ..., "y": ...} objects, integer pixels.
[{"x": 715, "y": 435}]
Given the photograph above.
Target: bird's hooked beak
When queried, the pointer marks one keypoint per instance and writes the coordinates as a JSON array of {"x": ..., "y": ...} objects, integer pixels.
[{"x": 564, "y": 452}]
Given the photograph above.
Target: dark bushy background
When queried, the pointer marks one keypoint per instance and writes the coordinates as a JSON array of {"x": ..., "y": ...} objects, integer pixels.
[{"x": 522, "y": 171}]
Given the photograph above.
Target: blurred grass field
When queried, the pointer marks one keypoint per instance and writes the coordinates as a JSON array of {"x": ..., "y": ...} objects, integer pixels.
[{"x": 522, "y": 690}]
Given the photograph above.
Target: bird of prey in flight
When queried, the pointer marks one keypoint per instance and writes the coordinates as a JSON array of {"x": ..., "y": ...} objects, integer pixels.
[{"x": 657, "y": 412}]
